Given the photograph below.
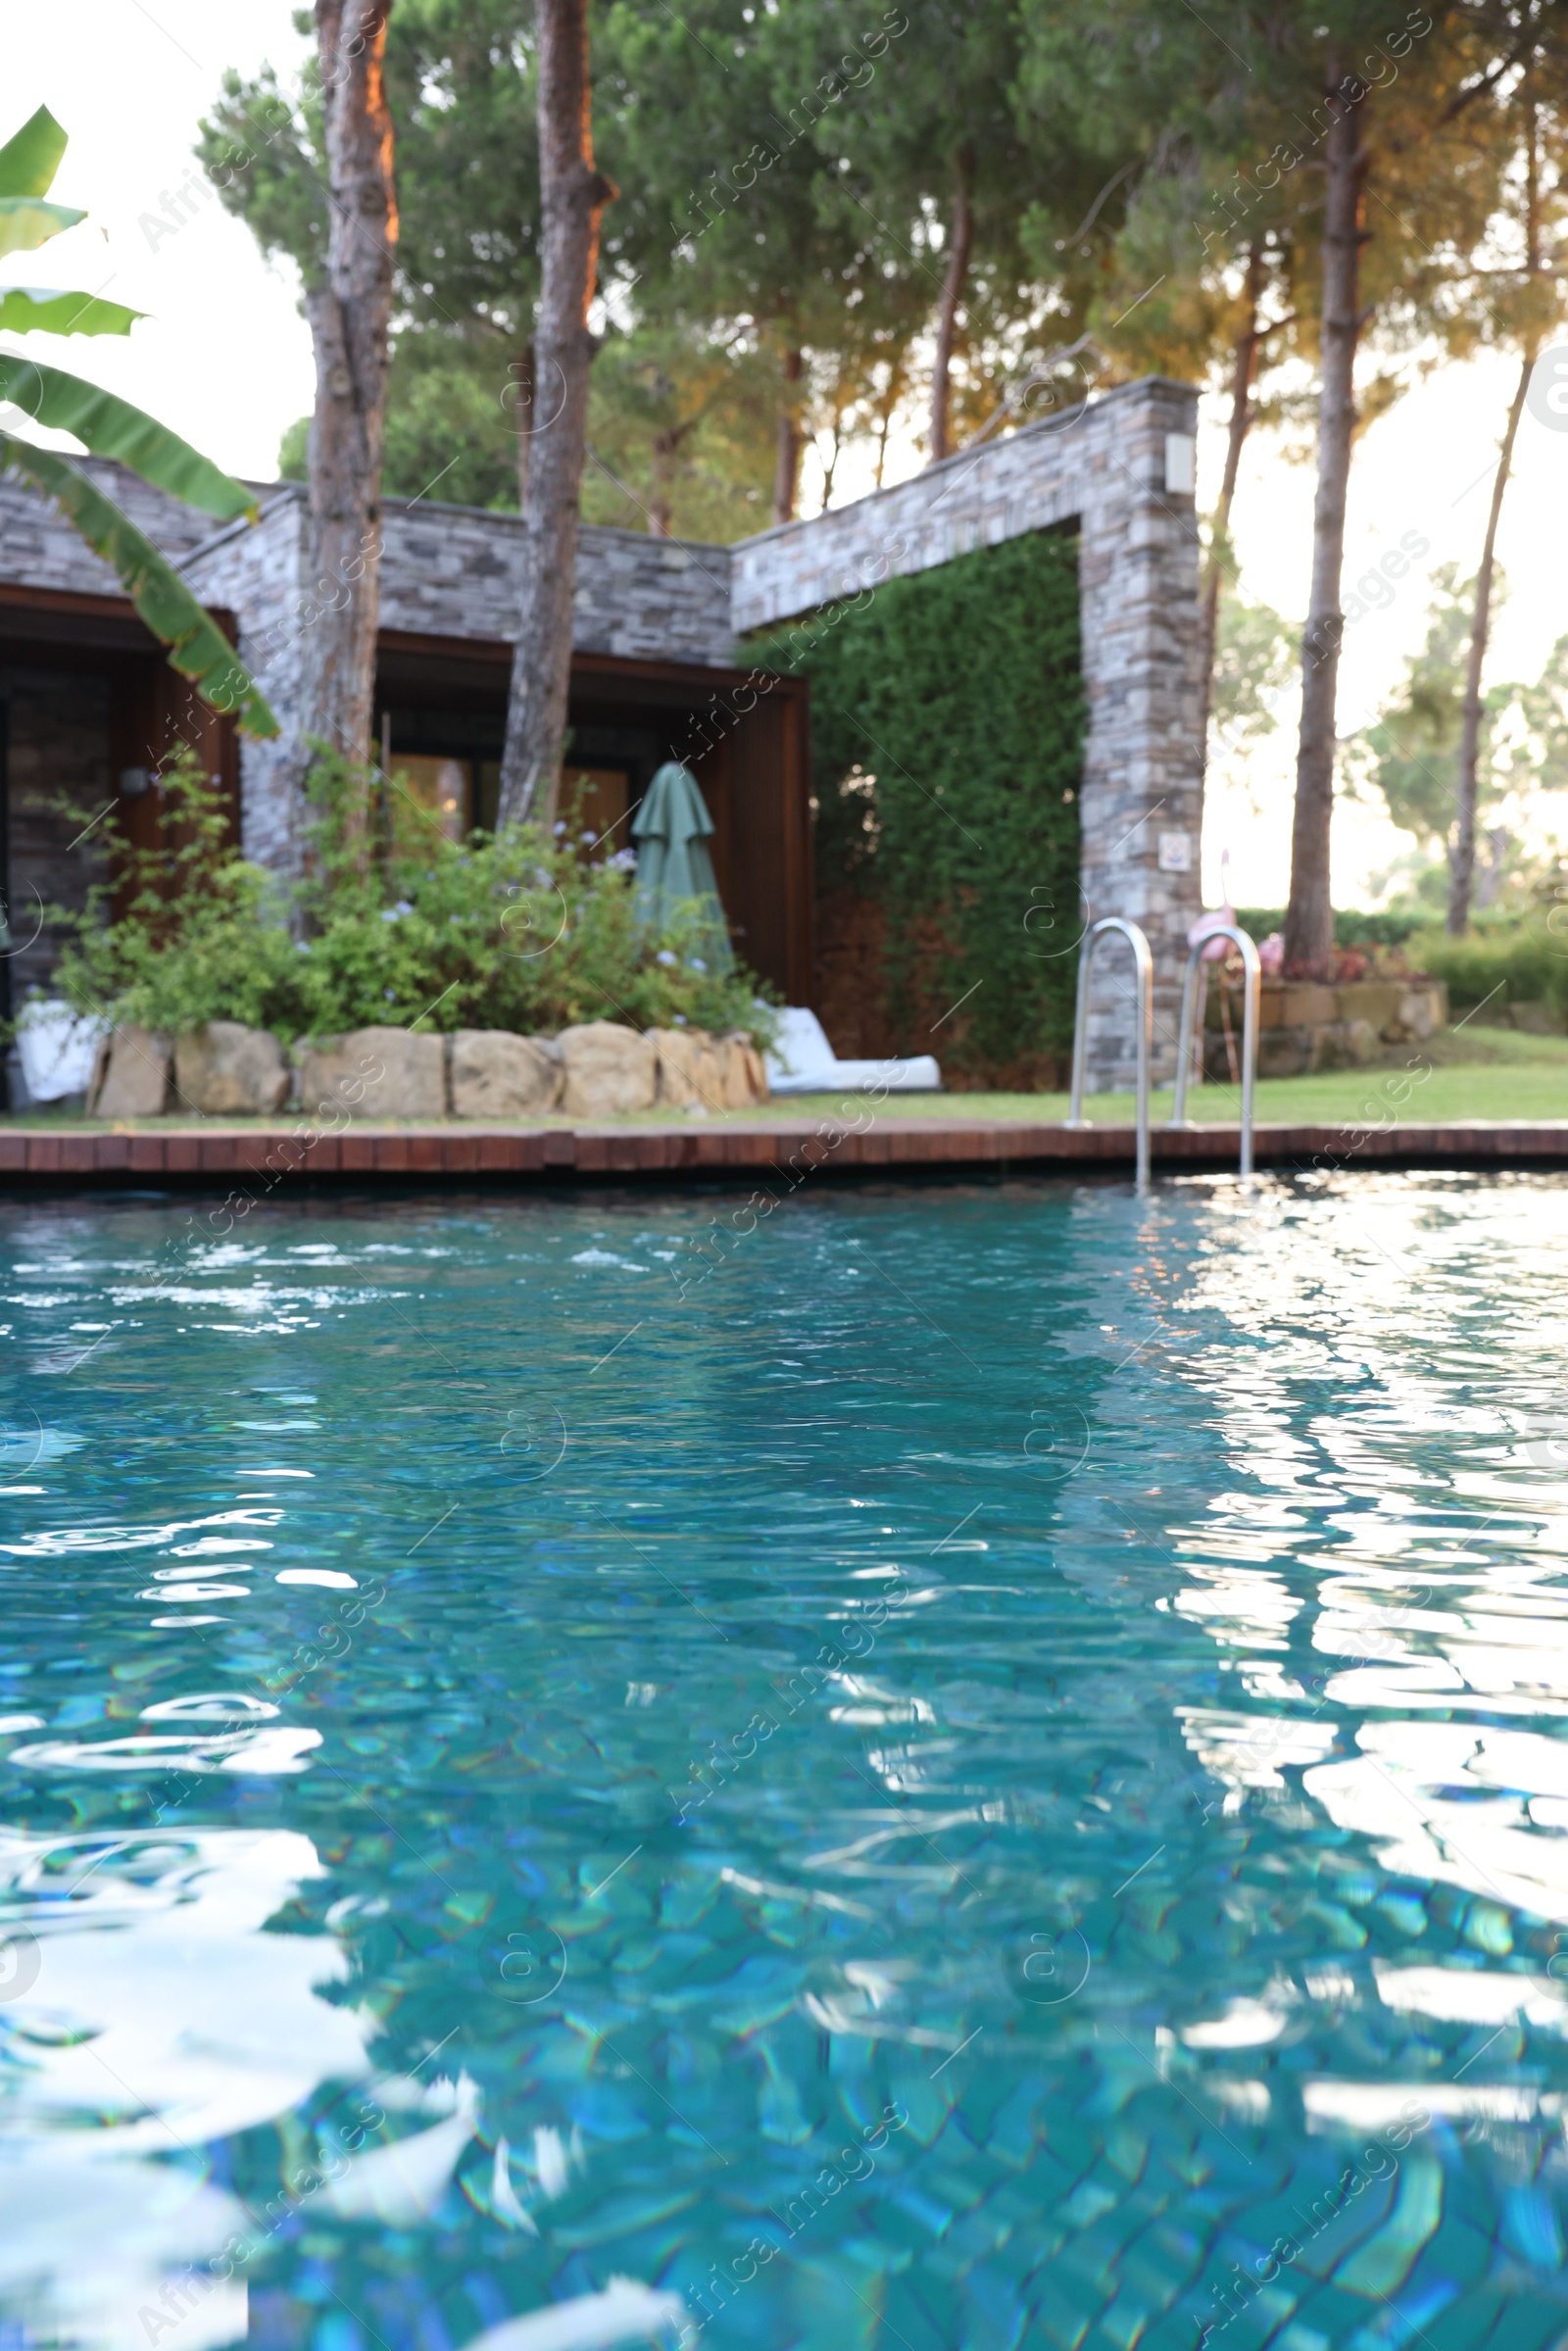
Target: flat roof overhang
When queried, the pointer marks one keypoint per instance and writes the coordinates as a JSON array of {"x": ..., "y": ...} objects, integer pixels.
[
  {"x": 59, "y": 621},
  {"x": 409, "y": 664}
]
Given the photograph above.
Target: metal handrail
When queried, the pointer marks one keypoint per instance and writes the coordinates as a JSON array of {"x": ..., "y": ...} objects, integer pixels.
[
  {"x": 1143, "y": 963},
  {"x": 1250, "y": 1021}
]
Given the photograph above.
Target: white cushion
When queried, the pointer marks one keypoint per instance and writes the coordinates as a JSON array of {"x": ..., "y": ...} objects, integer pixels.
[{"x": 802, "y": 1061}]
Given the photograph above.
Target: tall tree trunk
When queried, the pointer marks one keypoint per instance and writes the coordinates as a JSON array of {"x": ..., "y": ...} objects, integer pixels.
[
  {"x": 572, "y": 196},
  {"x": 1246, "y": 360},
  {"x": 787, "y": 462},
  {"x": 1308, "y": 944},
  {"x": 662, "y": 497},
  {"x": 1463, "y": 861},
  {"x": 960, "y": 245},
  {"x": 523, "y": 376},
  {"x": 349, "y": 315},
  {"x": 890, "y": 401}
]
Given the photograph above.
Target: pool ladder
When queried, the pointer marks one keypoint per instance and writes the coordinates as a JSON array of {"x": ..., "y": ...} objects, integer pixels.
[{"x": 1144, "y": 973}]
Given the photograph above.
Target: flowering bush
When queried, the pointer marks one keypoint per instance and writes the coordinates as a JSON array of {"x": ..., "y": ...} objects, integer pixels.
[{"x": 397, "y": 927}]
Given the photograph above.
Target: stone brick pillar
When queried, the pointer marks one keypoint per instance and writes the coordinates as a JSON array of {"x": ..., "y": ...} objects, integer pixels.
[{"x": 1143, "y": 788}]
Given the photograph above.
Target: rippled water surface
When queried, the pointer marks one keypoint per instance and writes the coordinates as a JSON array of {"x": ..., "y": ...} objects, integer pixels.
[{"x": 990, "y": 1773}]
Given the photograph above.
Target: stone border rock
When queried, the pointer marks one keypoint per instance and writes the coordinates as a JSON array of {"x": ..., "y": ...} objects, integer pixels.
[
  {"x": 226, "y": 1068},
  {"x": 595, "y": 1069},
  {"x": 491, "y": 1073},
  {"x": 130, "y": 1076}
]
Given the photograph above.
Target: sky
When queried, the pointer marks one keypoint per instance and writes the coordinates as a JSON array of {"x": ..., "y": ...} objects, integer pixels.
[{"x": 223, "y": 355}]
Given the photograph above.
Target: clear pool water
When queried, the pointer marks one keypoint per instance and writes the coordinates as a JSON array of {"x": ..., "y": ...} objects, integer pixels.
[{"x": 991, "y": 1773}]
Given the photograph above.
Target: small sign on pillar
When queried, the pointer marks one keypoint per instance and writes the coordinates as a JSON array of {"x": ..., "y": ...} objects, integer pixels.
[
  {"x": 1175, "y": 853},
  {"x": 1181, "y": 464}
]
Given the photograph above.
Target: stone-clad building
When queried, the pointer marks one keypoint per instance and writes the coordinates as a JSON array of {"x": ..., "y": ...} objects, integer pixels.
[{"x": 660, "y": 668}]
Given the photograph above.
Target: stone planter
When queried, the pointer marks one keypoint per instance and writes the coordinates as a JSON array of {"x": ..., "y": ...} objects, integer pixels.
[
  {"x": 1403, "y": 1011},
  {"x": 226, "y": 1068},
  {"x": 1299, "y": 1052},
  {"x": 1304, "y": 1027},
  {"x": 132, "y": 1076},
  {"x": 492, "y": 1074},
  {"x": 373, "y": 1073},
  {"x": 610, "y": 1070}
]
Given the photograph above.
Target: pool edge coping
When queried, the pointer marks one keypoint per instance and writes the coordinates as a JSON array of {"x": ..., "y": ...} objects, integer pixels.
[{"x": 200, "y": 1156}]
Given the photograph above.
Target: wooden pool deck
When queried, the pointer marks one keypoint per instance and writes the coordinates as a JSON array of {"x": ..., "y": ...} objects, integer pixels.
[{"x": 258, "y": 1155}]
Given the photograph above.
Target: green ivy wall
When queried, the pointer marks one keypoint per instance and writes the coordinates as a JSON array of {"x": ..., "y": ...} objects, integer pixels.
[{"x": 948, "y": 719}]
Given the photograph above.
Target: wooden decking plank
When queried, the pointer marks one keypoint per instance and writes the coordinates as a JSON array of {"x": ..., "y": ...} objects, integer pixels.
[{"x": 269, "y": 1159}]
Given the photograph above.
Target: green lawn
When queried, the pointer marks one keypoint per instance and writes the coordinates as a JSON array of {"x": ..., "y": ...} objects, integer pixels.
[{"x": 1464, "y": 1074}]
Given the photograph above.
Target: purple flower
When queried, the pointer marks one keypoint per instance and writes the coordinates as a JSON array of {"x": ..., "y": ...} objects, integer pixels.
[{"x": 667, "y": 956}]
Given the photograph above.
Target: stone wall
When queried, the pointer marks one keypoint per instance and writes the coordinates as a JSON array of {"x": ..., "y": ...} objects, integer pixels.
[
  {"x": 452, "y": 571},
  {"x": 446, "y": 571},
  {"x": 257, "y": 572},
  {"x": 42, "y": 550}
]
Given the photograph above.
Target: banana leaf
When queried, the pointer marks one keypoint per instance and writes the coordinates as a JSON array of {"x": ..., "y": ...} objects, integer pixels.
[
  {"x": 112, "y": 427},
  {"x": 28, "y": 308},
  {"x": 25, "y": 222},
  {"x": 197, "y": 647},
  {"x": 30, "y": 157}
]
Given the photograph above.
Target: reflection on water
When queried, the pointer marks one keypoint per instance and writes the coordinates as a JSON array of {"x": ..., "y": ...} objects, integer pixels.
[
  {"x": 149, "y": 2017},
  {"x": 991, "y": 1775}
]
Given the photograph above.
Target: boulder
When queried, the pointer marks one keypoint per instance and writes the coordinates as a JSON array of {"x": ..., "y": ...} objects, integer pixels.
[
  {"x": 698, "y": 1072},
  {"x": 373, "y": 1073},
  {"x": 608, "y": 1069},
  {"x": 687, "y": 1079},
  {"x": 131, "y": 1077},
  {"x": 492, "y": 1074},
  {"x": 226, "y": 1066},
  {"x": 743, "y": 1079}
]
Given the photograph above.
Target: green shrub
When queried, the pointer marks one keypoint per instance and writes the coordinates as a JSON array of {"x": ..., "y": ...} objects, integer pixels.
[
  {"x": 1525, "y": 964},
  {"x": 400, "y": 928},
  {"x": 1350, "y": 928},
  {"x": 948, "y": 717}
]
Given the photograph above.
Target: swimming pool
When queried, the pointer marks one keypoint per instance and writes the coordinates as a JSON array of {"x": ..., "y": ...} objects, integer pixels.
[{"x": 988, "y": 1771}]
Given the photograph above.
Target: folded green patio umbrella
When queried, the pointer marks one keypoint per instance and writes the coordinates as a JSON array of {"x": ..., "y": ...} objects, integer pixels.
[{"x": 673, "y": 867}]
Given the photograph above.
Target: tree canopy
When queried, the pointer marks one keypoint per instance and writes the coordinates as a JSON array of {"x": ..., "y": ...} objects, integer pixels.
[
  {"x": 937, "y": 218},
  {"x": 779, "y": 264}
]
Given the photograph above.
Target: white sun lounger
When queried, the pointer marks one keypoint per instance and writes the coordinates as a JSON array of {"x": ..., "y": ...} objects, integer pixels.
[{"x": 803, "y": 1062}]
